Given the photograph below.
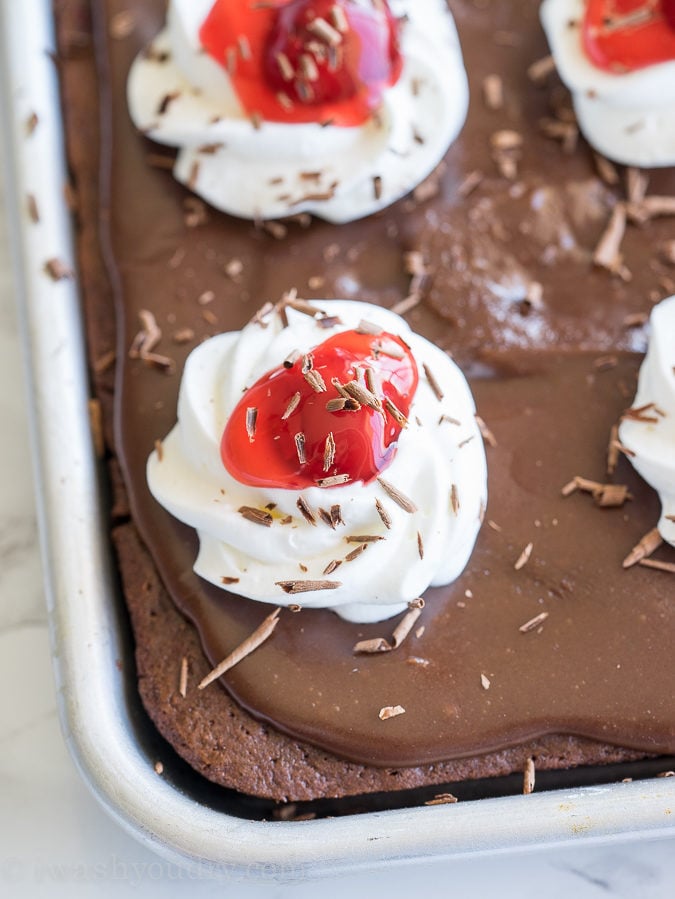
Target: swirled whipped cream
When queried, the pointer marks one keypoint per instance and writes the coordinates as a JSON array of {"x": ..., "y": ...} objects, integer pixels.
[
  {"x": 626, "y": 116},
  {"x": 180, "y": 96},
  {"x": 651, "y": 435},
  {"x": 439, "y": 469}
]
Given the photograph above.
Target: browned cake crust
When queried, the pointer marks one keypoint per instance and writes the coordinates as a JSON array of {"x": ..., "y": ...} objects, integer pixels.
[
  {"x": 231, "y": 748},
  {"x": 207, "y": 728}
]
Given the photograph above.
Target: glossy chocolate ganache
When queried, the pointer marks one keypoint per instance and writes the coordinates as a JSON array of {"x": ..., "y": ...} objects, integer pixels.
[{"x": 545, "y": 632}]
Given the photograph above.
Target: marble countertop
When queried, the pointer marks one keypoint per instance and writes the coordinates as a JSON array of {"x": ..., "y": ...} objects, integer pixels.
[{"x": 55, "y": 840}]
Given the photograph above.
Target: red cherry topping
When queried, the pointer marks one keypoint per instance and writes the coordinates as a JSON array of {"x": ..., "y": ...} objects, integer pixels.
[
  {"x": 624, "y": 35},
  {"x": 333, "y": 415},
  {"x": 306, "y": 60}
]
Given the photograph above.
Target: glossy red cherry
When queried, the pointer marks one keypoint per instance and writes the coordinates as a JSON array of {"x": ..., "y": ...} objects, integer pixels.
[
  {"x": 323, "y": 51},
  {"x": 332, "y": 416},
  {"x": 668, "y": 7},
  {"x": 306, "y": 60},
  {"x": 624, "y": 35}
]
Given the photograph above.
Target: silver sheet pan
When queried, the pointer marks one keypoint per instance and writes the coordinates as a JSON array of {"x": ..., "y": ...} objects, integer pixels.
[{"x": 114, "y": 754}]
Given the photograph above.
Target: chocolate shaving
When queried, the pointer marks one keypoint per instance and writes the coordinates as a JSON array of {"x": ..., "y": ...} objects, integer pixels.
[
  {"x": 433, "y": 383},
  {"x": 493, "y": 92},
  {"x": 330, "y": 568},
  {"x": 306, "y": 511},
  {"x": 122, "y": 24},
  {"x": 336, "y": 515},
  {"x": 32, "y": 207},
  {"x": 637, "y": 183},
  {"x": 300, "y": 447},
  {"x": 390, "y": 711},
  {"x": 605, "y": 363},
  {"x": 293, "y": 587},
  {"x": 366, "y": 327},
  {"x": 449, "y": 419},
  {"x": 146, "y": 340},
  {"x": 406, "y": 624},
  {"x": 420, "y": 545},
  {"x": 58, "y": 270},
  {"x": 635, "y": 320},
  {"x": 364, "y": 538},
  {"x": 644, "y": 548},
  {"x": 362, "y": 395},
  {"x": 639, "y": 413},
  {"x": 257, "y": 516},
  {"x": 442, "y": 799},
  {"x": 387, "y": 347},
  {"x": 405, "y": 305},
  {"x": 607, "y": 495},
  {"x": 31, "y": 123},
  {"x": 104, "y": 362},
  {"x": 372, "y": 646},
  {"x": 355, "y": 553},
  {"x": 315, "y": 380},
  {"x": 325, "y": 32},
  {"x": 395, "y": 412},
  {"x": 325, "y": 517},
  {"x": 454, "y": 499},
  {"x": 340, "y": 404},
  {"x": 399, "y": 498},
  {"x": 226, "y": 580},
  {"x": 384, "y": 515},
  {"x": 251, "y": 419},
  {"x": 329, "y": 452},
  {"x": 486, "y": 433},
  {"x": 533, "y": 623},
  {"x": 613, "y": 449},
  {"x": 334, "y": 480},
  {"x": 96, "y": 425},
  {"x": 193, "y": 177},
  {"x": 540, "y": 70},
  {"x": 606, "y": 169},
  {"x": 524, "y": 557},
  {"x": 292, "y": 358},
  {"x": 651, "y": 207},
  {"x": 528, "y": 777},
  {"x": 249, "y": 645},
  {"x": 607, "y": 253},
  {"x": 183, "y": 677},
  {"x": 566, "y": 132},
  {"x": 658, "y": 565},
  {"x": 293, "y": 404},
  {"x": 166, "y": 102}
]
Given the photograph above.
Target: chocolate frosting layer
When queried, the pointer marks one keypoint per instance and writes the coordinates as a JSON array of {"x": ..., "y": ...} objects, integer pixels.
[{"x": 601, "y": 663}]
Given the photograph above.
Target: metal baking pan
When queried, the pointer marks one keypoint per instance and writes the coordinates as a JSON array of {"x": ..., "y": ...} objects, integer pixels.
[{"x": 115, "y": 748}]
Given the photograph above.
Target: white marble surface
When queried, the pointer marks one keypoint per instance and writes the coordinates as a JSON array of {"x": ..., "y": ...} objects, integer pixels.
[{"x": 56, "y": 841}]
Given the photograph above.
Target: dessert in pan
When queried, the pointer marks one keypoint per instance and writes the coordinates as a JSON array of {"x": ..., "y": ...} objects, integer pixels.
[{"x": 375, "y": 437}]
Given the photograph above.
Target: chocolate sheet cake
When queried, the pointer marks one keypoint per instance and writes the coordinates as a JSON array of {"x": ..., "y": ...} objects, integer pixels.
[{"x": 545, "y": 648}]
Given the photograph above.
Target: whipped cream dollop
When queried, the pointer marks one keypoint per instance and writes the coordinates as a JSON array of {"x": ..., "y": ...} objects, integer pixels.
[
  {"x": 628, "y": 117},
  {"x": 180, "y": 96},
  {"x": 652, "y": 439},
  {"x": 439, "y": 466}
]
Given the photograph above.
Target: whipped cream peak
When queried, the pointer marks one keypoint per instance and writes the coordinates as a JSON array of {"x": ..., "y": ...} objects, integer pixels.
[
  {"x": 628, "y": 115},
  {"x": 364, "y": 549},
  {"x": 179, "y": 95},
  {"x": 652, "y": 439}
]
